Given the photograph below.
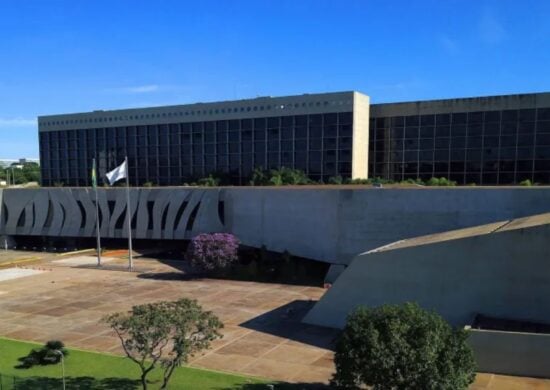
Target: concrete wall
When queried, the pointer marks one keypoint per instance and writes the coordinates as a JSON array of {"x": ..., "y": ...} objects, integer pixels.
[
  {"x": 70, "y": 212},
  {"x": 504, "y": 275},
  {"x": 335, "y": 225},
  {"x": 331, "y": 224},
  {"x": 511, "y": 353}
]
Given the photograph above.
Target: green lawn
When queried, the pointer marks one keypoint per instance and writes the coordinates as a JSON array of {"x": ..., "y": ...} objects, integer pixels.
[{"x": 90, "y": 370}]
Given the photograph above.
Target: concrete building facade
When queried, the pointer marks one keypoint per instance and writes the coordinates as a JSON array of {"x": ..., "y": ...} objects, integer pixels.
[
  {"x": 485, "y": 140},
  {"x": 323, "y": 135}
]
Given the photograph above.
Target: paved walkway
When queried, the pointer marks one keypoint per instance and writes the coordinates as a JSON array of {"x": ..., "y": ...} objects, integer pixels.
[{"x": 263, "y": 335}]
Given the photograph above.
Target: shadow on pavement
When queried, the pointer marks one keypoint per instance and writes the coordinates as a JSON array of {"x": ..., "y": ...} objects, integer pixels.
[{"x": 285, "y": 321}]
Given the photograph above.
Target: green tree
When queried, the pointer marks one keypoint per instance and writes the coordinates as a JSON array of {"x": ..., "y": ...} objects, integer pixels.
[
  {"x": 402, "y": 347},
  {"x": 164, "y": 334}
]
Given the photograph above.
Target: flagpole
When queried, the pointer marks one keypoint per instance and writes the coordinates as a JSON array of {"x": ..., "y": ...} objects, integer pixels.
[
  {"x": 129, "y": 214},
  {"x": 94, "y": 182}
]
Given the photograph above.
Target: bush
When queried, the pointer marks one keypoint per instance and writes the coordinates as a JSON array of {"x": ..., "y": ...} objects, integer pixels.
[
  {"x": 209, "y": 181},
  {"x": 279, "y": 177},
  {"x": 212, "y": 251},
  {"x": 402, "y": 347},
  {"x": 441, "y": 182},
  {"x": 526, "y": 183},
  {"x": 48, "y": 354}
]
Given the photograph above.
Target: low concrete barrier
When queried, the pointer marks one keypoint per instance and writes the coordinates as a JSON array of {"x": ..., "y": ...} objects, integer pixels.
[{"x": 511, "y": 353}]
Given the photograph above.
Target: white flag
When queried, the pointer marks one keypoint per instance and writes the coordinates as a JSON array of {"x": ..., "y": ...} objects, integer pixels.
[{"x": 118, "y": 173}]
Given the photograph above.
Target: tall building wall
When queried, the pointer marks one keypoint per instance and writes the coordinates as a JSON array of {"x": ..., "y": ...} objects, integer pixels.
[
  {"x": 487, "y": 140},
  {"x": 178, "y": 144}
]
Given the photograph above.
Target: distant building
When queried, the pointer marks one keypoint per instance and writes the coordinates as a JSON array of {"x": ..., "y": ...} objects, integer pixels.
[
  {"x": 485, "y": 140},
  {"x": 17, "y": 163}
]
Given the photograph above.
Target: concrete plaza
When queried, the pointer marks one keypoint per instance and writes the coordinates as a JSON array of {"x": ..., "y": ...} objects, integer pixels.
[{"x": 263, "y": 335}]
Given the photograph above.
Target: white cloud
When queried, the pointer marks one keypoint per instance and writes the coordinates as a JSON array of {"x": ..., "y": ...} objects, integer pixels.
[
  {"x": 136, "y": 89},
  {"x": 491, "y": 29},
  {"x": 7, "y": 123}
]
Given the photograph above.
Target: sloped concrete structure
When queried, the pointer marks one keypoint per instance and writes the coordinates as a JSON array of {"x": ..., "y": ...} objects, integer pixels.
[{"x": 500, "y": 270}]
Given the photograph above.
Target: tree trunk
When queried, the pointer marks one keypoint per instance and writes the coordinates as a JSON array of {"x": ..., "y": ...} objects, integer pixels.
[
  {"x": 167, "y": 375},
  {"x": 144, "y": 381}
]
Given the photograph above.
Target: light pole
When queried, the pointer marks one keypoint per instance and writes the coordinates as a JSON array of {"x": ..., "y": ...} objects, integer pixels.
[{"x": 58, "y": 352}]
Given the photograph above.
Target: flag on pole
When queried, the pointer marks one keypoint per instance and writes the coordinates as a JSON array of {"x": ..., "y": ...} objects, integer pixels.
[
  {"x": 118, "y": 173},
  {"x": 94, "y": 176}
]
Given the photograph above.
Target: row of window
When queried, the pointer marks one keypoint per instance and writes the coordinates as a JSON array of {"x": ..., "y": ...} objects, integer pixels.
[
  {"x": 521, "y": 115},
  {"x": 191, "y": 112}
]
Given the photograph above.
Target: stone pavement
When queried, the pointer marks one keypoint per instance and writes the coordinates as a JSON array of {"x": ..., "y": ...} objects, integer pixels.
[{"x": 263, "y": 335}]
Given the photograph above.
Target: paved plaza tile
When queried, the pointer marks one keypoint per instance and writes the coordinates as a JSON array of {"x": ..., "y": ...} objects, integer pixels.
[{"x": 263, "y": 335}]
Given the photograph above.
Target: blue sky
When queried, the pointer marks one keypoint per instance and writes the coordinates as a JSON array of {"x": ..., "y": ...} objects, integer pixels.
[{"x": 71, "y": 56}]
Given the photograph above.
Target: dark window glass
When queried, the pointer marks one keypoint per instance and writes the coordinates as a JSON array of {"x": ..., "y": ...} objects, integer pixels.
[
  {"x": 287, "y": 121},
  {"x": 543, "y": 114},
  {"x": 330, "y": 119},
  {"x": 345, "y": 118},
  {"x": 411, "y": 132},
  {"x": 507, "y": 140},
  {"x": 441, "y": 155},
  {"x": 427, "y": 144},
  {"x": 510, "y": 115},
  {"x": 398, "y": 121},
  {"x": 458, "y": 130},
  {"x": 315, "y": 120},
  {"x": 397, "y": 132},
  {"x": 427, "y": 120},
  {"x": 442, "y": 131},
  {"x": 459, "y": 118},
  {"x": 287, "y": 133},
  {"x": 543, "y": 127},
  {"x": 509, "y": 128},
  {"x": 526, "y": 128},
  {"x": 527, "y": 115},
  {"x": 426, "y": 131},
  {"x": 316, "y": 144},
  {"x": 525, "y": 153},
  {"x": 492, "y": 116},
  {"x": 526, "y": 139}
]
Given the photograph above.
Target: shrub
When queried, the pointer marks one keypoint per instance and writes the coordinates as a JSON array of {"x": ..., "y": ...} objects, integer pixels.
[
  {"x": 335, "y": 180},
  {"x": 211, "y": 251},
  {"x": 48, "y": 354},
  {"x": 209, "y": 181},
  {"x": 441, "y": 182},
  {"x": 402, "y": 347},
  {"x": 279, "y": 177},
  {"x": 526, "y": 183}
]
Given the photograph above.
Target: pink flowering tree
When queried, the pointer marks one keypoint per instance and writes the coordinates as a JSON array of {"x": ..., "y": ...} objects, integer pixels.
[{"x": 212, "y": 251}]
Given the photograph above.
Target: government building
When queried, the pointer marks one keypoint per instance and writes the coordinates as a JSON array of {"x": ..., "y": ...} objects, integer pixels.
[{"x": 485, "y": 140}]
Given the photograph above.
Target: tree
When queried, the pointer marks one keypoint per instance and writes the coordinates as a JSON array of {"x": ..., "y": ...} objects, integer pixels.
[
  {"x": 402, "y": 347},
  {"x": 165, "y": 334},
  {"x": 211, "y": 251}
]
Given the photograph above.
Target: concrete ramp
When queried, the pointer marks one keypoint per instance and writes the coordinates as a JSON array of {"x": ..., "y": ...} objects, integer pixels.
[{"x": 500, "y": 270}]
